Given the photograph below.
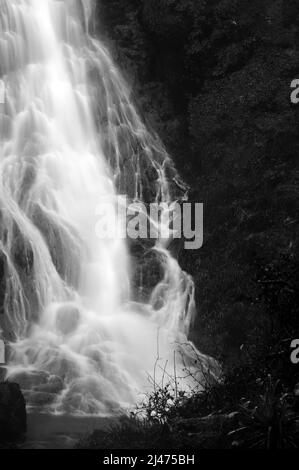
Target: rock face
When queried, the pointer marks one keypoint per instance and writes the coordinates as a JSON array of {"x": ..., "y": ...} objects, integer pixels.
[{"x": 12, "y": 412}]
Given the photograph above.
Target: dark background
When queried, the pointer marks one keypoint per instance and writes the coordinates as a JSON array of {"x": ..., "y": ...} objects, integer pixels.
[{"x": 213, "y": 79}]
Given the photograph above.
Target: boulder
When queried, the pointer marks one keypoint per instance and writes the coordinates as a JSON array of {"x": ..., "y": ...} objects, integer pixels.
[
  {"x": 12, "y": 412},
  {"x": 39, "y": 399},
  {"x": 29, "y": 379},
  {"x": 68, "y": 319}
]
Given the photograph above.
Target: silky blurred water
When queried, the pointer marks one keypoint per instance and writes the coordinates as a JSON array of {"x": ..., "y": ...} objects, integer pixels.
[{"x": 71, "y": 138}]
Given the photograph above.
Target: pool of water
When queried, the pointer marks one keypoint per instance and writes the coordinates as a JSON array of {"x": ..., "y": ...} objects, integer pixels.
[{"x": 59, "y": 432}]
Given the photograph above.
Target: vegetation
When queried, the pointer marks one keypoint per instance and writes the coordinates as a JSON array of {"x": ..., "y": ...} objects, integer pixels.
[{"x": 228, "y": 414}]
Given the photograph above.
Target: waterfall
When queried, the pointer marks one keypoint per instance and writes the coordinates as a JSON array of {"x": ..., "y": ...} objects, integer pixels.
[{"x": 81, "y": 340}]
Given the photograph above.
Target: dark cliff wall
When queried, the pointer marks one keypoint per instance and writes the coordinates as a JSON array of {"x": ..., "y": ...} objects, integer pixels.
[{"x": 213, "y": 78}]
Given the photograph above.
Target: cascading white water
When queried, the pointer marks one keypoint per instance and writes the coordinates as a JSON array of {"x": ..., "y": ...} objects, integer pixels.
[{"x": 70, "y": 136}]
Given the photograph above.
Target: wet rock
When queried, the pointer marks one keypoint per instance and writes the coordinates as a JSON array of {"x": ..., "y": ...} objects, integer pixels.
[
  {"x": 12, "y": 412},
  {"x": 28, "y": 380},
  {"x": 54, "y": 385},
  {"x": 2, "y": 374},
  {"x": 39, "y": 398},
  {"x": 68, "y": 318},
  {"x": 147, "y": 274},
  {"x": 37, "y": 381},
  {"x": 22, "y": 252}
]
